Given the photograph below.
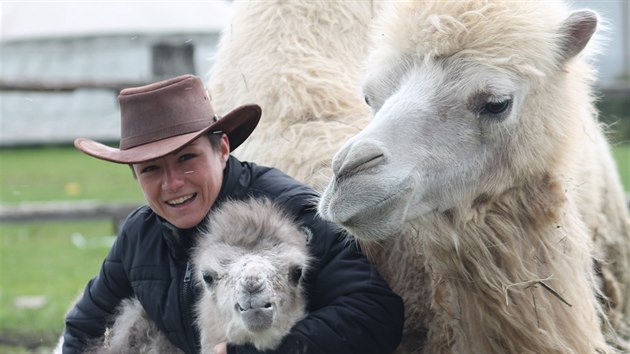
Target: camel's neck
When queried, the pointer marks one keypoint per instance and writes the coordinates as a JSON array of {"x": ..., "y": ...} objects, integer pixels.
[{"x": 513, "y": 273}]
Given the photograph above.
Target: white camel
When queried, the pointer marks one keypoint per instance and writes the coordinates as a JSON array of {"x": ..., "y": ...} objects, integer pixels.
[
  {"x": 483, "y": 125},
  {"x": 300, "y": 61},
  {"x": 249, "y": 261}
]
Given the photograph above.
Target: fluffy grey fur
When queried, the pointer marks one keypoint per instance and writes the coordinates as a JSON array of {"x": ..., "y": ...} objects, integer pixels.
[{"x": 249, "y": 260}]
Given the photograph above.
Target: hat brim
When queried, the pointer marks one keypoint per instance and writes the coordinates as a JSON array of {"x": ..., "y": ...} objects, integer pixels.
[{"x": 237, "y": 125}]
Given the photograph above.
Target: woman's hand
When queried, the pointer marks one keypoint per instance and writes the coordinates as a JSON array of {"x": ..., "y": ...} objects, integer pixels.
[{"x": 220, "y": 348}]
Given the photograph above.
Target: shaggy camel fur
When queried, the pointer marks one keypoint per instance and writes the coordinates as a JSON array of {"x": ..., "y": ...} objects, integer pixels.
[
  {"x": 483, "y": 119},
  {"x": 301, "y": 61},
  {"x": 305, "y": 53},
  {"x": 250, "y": 261}
]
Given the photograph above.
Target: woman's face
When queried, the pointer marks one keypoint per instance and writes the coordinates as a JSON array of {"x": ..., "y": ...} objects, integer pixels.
[{"x": 183, "y": 186}]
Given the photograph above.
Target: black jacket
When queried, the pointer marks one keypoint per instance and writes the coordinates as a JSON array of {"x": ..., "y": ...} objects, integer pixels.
[{"x": 351, "y": 309}]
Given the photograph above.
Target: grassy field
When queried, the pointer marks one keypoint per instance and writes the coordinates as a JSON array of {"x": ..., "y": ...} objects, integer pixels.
[
  {"x": 43, "y": 266},
  {"x": 622, "y": 156},
  {"x": 63, "y": 173}
]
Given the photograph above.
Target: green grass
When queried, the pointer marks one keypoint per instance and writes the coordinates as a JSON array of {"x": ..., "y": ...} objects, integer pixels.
[
  {"x": 40, "y": 259},
  {"x": 62, "y": 174},
  {"x": 621, "y": 154}
]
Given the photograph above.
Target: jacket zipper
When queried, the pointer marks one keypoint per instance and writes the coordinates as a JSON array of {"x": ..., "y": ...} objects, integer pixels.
[
  {"x": 186, "y": 310},
  {"x": 187, "y": 276}
]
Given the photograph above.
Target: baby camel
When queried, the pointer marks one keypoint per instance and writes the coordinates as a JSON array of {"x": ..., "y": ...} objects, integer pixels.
[{"x": 249, "y": 261}]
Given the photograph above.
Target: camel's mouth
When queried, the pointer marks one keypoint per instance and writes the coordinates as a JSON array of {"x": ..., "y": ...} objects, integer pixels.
[
  {"x": 259, "y": 319},
  {"x": 241, "y": 309},
  {"x": 380, "y": 220}
]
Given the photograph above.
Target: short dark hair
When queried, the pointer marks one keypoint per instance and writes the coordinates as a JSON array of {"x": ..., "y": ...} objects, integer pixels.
[{"x": 215, "y": 139}]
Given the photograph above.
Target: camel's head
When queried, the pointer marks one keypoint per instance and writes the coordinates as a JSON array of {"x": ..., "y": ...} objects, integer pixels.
[
  {"x": 251, "y": 263},
  {"x": 469, "y": 99}
]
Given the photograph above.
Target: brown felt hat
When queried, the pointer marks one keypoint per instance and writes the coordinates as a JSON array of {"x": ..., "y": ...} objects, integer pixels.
[{"x": 159, "y": 118}]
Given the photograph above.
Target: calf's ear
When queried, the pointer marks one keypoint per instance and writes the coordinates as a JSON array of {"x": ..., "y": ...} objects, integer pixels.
[{"x": 575, "y": 32}]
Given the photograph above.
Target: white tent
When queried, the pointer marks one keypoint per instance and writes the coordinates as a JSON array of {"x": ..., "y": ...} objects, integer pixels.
[
  {"x": 21, "y": 20},
  {"x": 91, "y": 47}
]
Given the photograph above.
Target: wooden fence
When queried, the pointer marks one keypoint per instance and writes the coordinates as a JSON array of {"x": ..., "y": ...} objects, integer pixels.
[{"x": 58, "y": 211}]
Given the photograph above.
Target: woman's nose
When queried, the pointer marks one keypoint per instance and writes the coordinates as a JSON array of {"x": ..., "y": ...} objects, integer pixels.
[{"x": 172, "y": 180}]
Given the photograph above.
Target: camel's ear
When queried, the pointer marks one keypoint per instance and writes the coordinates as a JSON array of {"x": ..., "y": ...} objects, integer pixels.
[{"x": 576, "y": 31}]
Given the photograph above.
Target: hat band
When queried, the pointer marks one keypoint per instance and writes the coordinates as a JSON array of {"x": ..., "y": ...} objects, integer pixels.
[{"x": 167, "y": 132}]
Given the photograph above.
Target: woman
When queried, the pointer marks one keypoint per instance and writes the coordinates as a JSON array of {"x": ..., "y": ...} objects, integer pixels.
[{"x": 179, "y": 151}]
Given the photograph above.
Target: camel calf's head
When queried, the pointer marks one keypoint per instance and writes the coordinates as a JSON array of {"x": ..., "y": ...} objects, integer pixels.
[{"x": 251, "y": 262}]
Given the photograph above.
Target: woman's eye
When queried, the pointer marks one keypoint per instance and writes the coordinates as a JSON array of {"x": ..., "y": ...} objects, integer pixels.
[
  {"x": 496, "y": 107},
  {"x": 148, "y": 169},
  {"x": 186, "y": 157}
]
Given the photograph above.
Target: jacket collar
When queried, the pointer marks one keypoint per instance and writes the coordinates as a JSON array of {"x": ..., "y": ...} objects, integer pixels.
[
  {"x": 236, "y": 180},
  {"x": 179, "y": 241}
]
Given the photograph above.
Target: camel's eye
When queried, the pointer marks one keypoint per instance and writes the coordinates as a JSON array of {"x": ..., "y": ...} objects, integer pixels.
[
  {"x": 208, "y": 278},
  {"x": 496, "y": 108},
  {"x": 295, "y": 273},
  {"x": 367, "y": 100}
]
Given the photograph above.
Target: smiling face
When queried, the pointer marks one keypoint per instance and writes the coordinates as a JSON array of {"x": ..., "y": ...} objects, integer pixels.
[{"x": 183, "y": 186}]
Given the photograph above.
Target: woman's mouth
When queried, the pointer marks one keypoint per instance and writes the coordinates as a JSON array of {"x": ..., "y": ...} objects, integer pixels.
[{"x": 181, "y": 200}]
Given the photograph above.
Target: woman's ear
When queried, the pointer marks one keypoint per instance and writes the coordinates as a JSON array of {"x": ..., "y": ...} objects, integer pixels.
[{"x": 225, "y": 148}]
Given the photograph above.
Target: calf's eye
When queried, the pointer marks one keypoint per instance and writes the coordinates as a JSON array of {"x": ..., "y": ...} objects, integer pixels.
[
  {"x": 295, "y": 273},
  {"x": 208, "y": 278}
]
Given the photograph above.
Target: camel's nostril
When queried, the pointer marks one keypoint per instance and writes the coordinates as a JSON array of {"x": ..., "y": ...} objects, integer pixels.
[
  {"x": 361, "y": 164},
  {"x": 360, "y": 157}
]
